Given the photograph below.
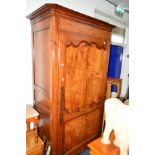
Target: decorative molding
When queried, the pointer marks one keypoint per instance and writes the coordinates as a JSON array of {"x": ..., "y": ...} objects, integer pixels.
[
  {"x": 77, "y": 44},
  {"x": 55, "y": 9}
]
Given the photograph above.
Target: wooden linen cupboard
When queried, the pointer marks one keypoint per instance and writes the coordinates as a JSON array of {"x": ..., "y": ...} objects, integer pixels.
[{"x": 70, "y": 62}]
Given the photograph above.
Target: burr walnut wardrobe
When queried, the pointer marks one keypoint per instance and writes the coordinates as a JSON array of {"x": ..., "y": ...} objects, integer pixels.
[{"x": 70, "y": 62}]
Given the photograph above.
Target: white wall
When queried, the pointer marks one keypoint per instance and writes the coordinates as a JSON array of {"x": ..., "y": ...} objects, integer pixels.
[
  {"x": 117, "y": 36},
  {"x": 100, "y": 9},
  {"x": 125, "y": 65},
  {"x": 83, "y": 6},
  {"x": 120, "y": 37},
  {"x": 106, "y": 12},
  {"x": 29, "y": 63}
]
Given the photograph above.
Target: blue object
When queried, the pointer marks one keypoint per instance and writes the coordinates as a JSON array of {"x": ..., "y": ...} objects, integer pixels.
[
  {"x": 86, "y": 152},
  {"x": 115, "y": 63}
]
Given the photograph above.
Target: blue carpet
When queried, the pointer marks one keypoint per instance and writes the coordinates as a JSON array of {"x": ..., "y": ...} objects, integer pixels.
[{"x": 86, "y": 152}]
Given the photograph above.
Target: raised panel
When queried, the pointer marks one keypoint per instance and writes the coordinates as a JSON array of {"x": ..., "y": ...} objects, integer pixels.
[
  {"x": 75, "y": 77},
  {"x": 42, "y": 59},
  {"x": 74, "y": 133},
  {"x": 92, "y": 123},
  {"x": 81, "y": 129},
  {"x": 85, "y": 71},
  {"x": 95, "y": 74}
]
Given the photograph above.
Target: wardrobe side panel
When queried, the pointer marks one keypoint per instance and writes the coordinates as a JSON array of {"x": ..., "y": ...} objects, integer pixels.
[{"x": 41, "y": 74}]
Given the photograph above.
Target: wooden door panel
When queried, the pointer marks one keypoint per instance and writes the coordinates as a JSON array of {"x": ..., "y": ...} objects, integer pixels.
[
  {"x": 95, "y": 75},
  {"x": 80, "y": 129},
  {"x": 74, "y": 133},
  {"x": 82, "y": 70},
  {"x": 92, "y": 121},
  {"x": 84, "y": 76},
  {"x": 75, "y": 77}
]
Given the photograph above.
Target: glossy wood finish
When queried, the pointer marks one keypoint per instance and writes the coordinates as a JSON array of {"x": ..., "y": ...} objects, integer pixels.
[
  {"x": 97, "y": 148},
  {"x": 70, "y": 61},
  {"x": 33, "y": 148}
]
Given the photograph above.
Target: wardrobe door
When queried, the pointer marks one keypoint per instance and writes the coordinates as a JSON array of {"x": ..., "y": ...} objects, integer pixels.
[{"x": 83, "y": 72}]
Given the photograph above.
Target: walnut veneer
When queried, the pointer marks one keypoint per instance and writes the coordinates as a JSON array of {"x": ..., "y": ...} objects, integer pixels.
[{"x": 70, "y": 62}]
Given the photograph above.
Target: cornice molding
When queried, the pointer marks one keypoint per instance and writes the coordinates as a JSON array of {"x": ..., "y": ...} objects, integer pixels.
[{"x": 57, "y": 10}]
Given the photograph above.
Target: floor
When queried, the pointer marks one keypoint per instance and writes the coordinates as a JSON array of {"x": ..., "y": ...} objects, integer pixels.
[{"x": 86, "y": 152}]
